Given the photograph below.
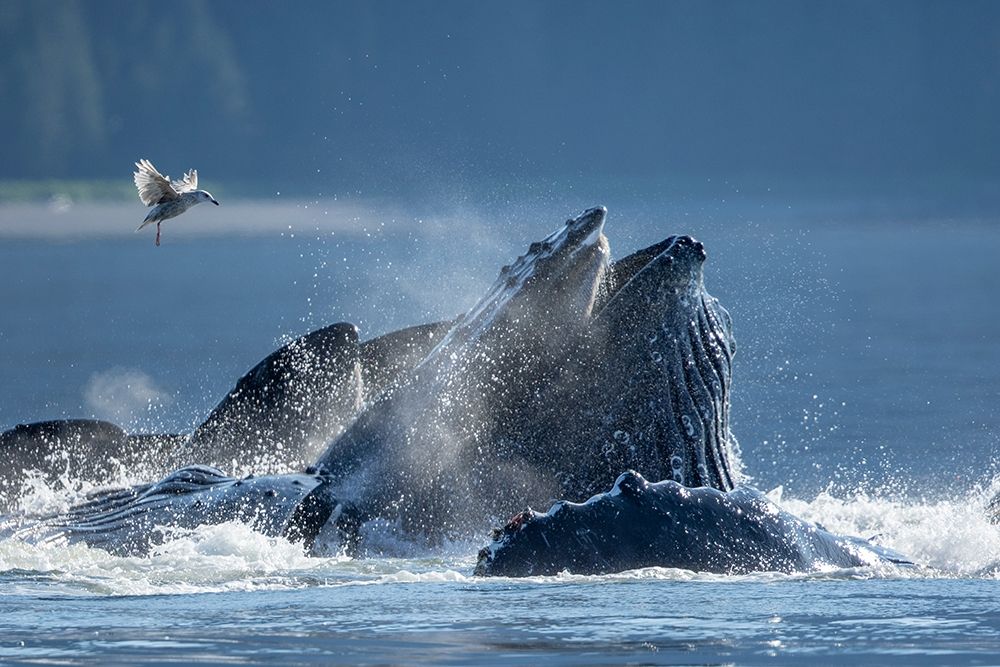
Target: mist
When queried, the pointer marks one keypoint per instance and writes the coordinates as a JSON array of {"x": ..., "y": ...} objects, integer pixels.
[{"x": 126, "y": 396}]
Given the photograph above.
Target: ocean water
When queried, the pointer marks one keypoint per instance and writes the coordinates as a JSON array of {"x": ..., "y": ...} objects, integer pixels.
[{"x": 866, "y": 394}]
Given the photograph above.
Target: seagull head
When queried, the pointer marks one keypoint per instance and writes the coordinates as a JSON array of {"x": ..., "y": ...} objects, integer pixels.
[{"x": 204, "y": 195}]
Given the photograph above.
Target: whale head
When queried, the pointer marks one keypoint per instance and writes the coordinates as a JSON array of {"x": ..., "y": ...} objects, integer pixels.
[
  {"x": 680, "y": 344},
  {"x": 551, "y": 287},
  {"x": 434, "y": 440},
  {"x": 663, "y": 274}
]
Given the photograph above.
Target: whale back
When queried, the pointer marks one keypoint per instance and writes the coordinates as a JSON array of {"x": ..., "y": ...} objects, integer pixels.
[
  {"x": 640, "y": 524},
  {"x": 285, "y": 409}
]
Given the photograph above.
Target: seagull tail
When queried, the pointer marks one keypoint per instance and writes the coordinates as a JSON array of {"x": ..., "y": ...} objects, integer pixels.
[{"x": 151, "y": 217}]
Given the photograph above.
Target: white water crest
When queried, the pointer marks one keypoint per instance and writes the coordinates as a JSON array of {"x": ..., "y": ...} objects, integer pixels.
[
  {"x": 952, "y": 537},
  {"x": 945, "y": 538}
]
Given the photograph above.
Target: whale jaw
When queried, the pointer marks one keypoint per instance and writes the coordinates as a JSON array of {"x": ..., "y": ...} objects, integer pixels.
[{"x": 554, "y": 283}]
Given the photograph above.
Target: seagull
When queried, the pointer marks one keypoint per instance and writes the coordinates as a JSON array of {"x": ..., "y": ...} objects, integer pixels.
[{"x": 170, "y": 198}]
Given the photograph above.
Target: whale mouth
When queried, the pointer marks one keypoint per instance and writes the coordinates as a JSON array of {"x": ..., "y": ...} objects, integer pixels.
[
  {"x": 566, "y": 267},
  {"x": 586, "y": 228},
  {"x": 584, "y": 232}
]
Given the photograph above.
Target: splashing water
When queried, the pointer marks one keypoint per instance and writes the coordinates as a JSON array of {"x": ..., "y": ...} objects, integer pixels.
[
  {"x": 948, "y": 538},
  {"x": 953, "y": 537}
]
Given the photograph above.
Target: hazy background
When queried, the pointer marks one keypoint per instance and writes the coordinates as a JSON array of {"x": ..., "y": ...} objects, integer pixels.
[{"x": 414, "y": 98}]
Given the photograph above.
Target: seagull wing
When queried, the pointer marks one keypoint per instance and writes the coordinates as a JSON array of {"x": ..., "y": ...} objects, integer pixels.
[
  {"x": 154, "y": 188},
  {"x": 187, "y": 184}
]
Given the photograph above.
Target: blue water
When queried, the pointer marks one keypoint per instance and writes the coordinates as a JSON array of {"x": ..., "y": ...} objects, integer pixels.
[
  {"x": 607, "y": 621},
  {"x": 867, "y": 386}
]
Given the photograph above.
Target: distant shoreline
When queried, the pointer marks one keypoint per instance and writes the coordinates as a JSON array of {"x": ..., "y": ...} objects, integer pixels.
[
  {"x": 72, "y": 210},
  {"x": 62, "y": 218},
  {"x": 42, "y": 191}
]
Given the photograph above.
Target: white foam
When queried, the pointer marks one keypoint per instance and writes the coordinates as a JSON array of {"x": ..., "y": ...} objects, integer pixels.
[
  {"x": 226, "y": 557},
  {"x": 954, "y": 537},
  {"x": 40, "y": 496},
  {"x": 951, "y": 537}
]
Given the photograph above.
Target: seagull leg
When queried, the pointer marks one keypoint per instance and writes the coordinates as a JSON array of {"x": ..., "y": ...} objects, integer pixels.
[{"x": 157, "y": 233}]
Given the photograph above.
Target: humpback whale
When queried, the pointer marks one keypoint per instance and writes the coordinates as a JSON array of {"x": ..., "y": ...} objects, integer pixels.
[
  {"x": 649, "y": 387},
  {"x": 421, "y": 452},
  {"x": 533, "y": 396},
  {"x": 285, "y": 409},
  {"x": 433, "y": 450},
  {"x": 640, "y": 524},
  {"x": 567, "y": 372},
  {"x": 288, "y": 405},
  {"x": 274, "y": 420},
  {"x": 134, "y": 520}
]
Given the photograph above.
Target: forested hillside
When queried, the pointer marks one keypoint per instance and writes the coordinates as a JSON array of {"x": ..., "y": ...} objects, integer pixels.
[{"x": 329, "y": 97}]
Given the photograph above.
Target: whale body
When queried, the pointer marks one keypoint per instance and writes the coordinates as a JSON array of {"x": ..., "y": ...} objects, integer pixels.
[
  {"x": 568, "y": 372},
  {"x": 639, "y": 524}
]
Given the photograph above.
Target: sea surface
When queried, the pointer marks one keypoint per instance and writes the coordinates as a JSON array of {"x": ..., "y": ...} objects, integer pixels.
[{"x": 866, "y": 397}]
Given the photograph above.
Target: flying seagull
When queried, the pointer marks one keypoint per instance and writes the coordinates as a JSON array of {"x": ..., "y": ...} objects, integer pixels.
[{"x": 169, "y": 198}]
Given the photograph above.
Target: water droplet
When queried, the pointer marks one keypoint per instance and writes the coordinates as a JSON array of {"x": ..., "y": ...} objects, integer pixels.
[{"x": 688, "y": 426}]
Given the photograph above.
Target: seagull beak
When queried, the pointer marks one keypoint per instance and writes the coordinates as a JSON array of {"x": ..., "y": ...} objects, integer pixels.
[{"x": 215, "y": 202}]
